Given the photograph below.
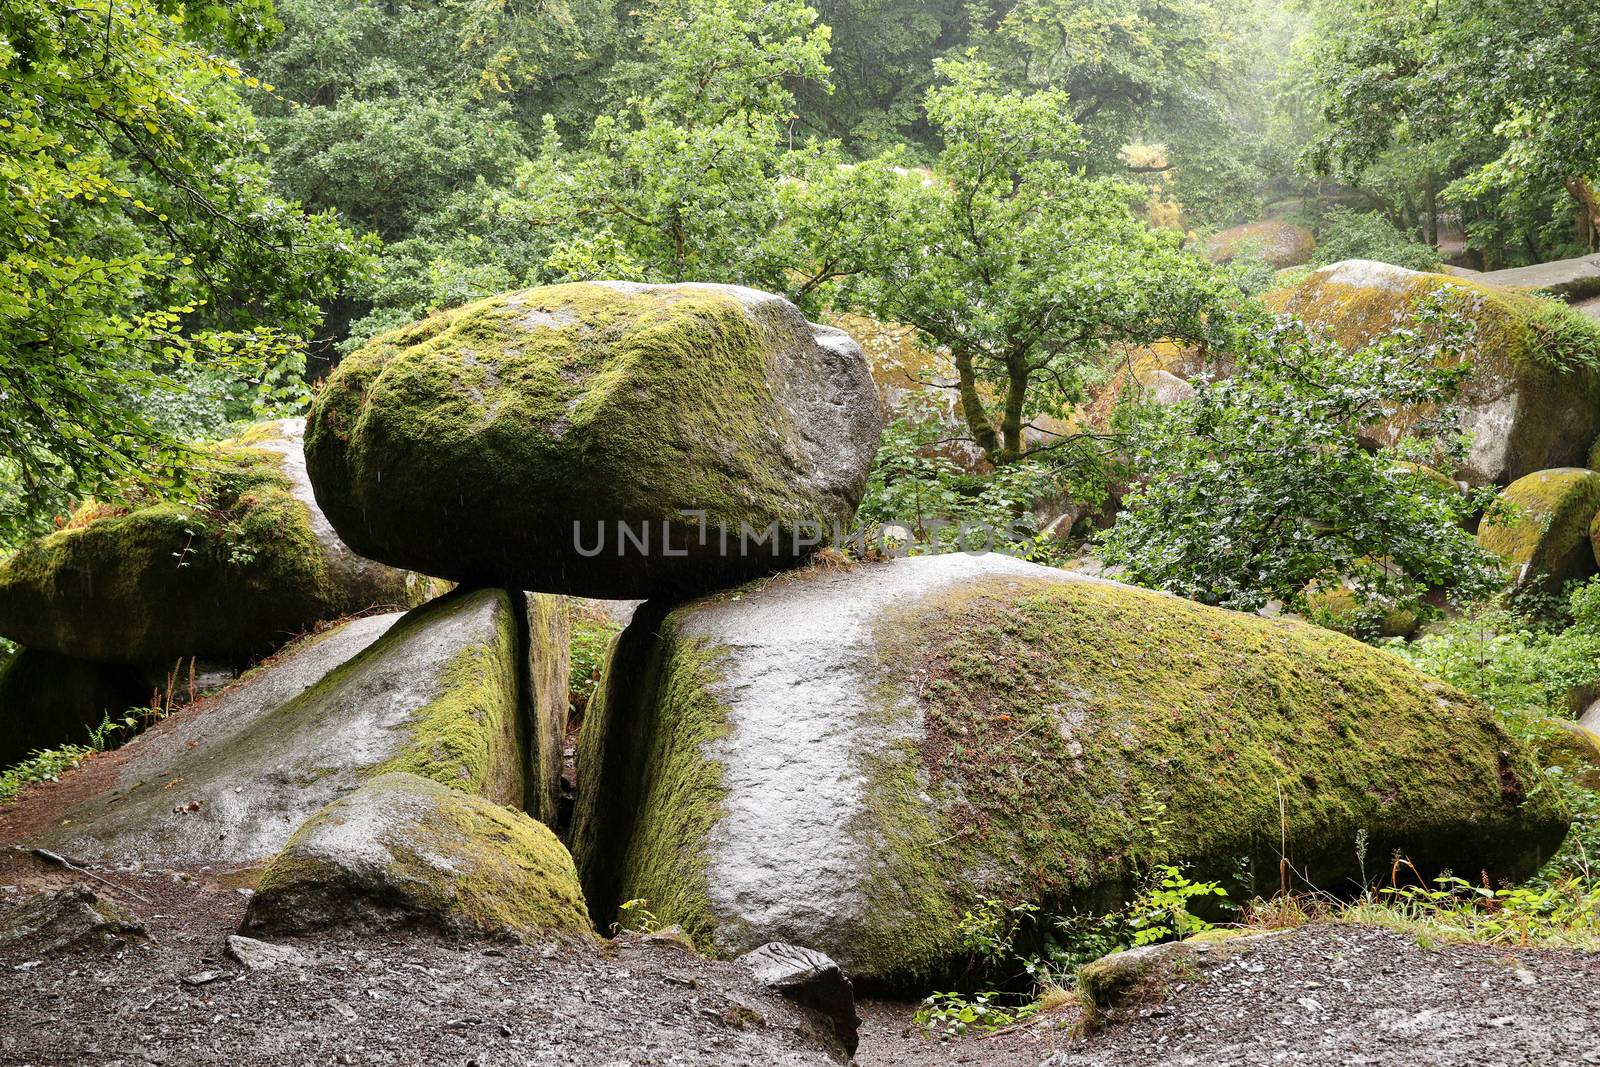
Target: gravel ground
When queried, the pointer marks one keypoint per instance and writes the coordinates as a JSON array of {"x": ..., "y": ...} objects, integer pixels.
[
  {"x": 1357, "y": 995},
  {"x": 405, "y": 999},
  {"x": 1326, "y": 994}
]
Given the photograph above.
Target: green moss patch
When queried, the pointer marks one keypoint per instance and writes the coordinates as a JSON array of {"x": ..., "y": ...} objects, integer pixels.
[
  {"x": 1053, "y": 712},
  {"x": 228, "y": 576},
  {"x": 1544, "y": 535},
  {"x": 470, "y": 736},
  {"x": 652, "y": 795}
]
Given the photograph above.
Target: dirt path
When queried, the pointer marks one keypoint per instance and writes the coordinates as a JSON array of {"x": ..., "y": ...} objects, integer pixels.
[{"x": 1319, "y": 995}]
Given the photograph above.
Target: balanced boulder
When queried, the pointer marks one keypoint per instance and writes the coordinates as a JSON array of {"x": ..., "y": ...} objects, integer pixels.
[
  {"x": 604, "y": 439},
  {"x": 1533, "y": 399},
  {"x": 228, "y": 576},
  {"x": 441, "y": 692},
  {"x": 850, "y": 759},
  {"x": 1544, "y": 540},
  {"x": 406, "y": 851},
  {"x": 47, "y": 700}
]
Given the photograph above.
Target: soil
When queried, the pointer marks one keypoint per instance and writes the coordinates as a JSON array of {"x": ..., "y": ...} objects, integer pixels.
[
  {"x": 1322, "y": 994},
  {"x": 404, "y": 998}
]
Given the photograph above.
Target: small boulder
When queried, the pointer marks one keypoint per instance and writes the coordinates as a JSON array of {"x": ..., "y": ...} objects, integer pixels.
[
  {"x": 255, "y": 955},
  {"x": 1112, "y": 984},
  {"x": 597, "y": 439},
  {"x": 70, "y": 918},
  {"x": 406, "y": 851},
  {"x": 227, "y": 577},
  {"x": 1547, "y": 541},
  {"x": 811, "y": 979},
  {"x": 48, "y": 700},
  {"x": 1533, "y": 399},
  {"x": 847, "y": 758},
  {"x": 1281, "y": 244}
]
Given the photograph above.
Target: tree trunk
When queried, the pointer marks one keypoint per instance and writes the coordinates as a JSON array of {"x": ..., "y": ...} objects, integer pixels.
[
  {"x": 1016, "y": 394},
  {"x": 1588, "y": 204},
  {"x": 972, "y": 407},
  {"x": 1430, "y": 209}
]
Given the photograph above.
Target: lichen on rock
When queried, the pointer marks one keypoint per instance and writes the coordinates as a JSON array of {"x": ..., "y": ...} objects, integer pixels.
[{"x": 1533, "y": 399}]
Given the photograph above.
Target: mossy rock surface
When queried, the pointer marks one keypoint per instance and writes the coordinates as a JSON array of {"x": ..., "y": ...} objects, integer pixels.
[
  {"x": 1281, "y": 244},
  {"x": 441, "y": 692},
  {"x": 849, "y": 760},
  {"x": 227, "y": 577},
  {"x": 482, "y": 443},
  {"x": 406, "y": 851},
  {"x": 48, "y": 700},
  {"x": 1548, "y": 542},
  {"x": 1533, "y": 399}
]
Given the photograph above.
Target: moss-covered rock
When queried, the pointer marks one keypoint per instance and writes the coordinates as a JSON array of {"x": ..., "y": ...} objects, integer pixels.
[
  {"x": 1533, "y": 400},
  {"x": 445, "y": 692},
  {"x": 549, "y": 645},
  {"x": 226, "y": 577},
  {"x": 407, "y": 851},
  {"x": 1281, "y": 244},
  {"x": 849, "y": 760},
  {"x": 1337, "y": 608},
  {"x": 503, "y": 442},
  {"x": 48, "y": 700},
  {"x": 1545, "y": 540}
]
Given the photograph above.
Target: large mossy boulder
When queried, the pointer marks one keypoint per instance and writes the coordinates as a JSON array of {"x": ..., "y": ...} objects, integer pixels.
[
  {"x": 48, "y": 700},
  {"x": 442, "y": 692},
  {"x": 851, "y": 759},
  {"x": 228, "y": 576},
  {"x": 406, "y": 851},
  {"x": 1533, "y": 399},
  {"x": 1281, "y": 244},
  {"x": 504, "y": 442},
  {"x": 1544, "y": 537}
]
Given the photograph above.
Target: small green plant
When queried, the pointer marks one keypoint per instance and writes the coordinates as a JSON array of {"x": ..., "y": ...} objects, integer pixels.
[
  {"x": 955, "y": 1014},
  {"x": 635, "y": 915},
  {"x": 42, "y": 765},
  {"x": 1560, "y": 912},
  {"x": 114, "y": 730},
  {"x": 591, "y": 638},
  {"x": 1161, "y": 910}
]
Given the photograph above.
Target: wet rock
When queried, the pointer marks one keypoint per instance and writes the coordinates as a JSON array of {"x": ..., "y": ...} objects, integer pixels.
[
  {"x": 845, "y": 758},
  {"x": 71, "y": 918},
  {"x": 812, "y": 979},
  {"x": 407, "y": 851},
  {"x": 439, "y": 692},
  {"x": 502, "y": 442},
  {"x": 1531, "y": 402}
]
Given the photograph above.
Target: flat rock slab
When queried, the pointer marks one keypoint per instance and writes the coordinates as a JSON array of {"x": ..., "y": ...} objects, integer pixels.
[
  {"x": 1572, "y": 280},
  {"x": 231, "y": 780}
]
